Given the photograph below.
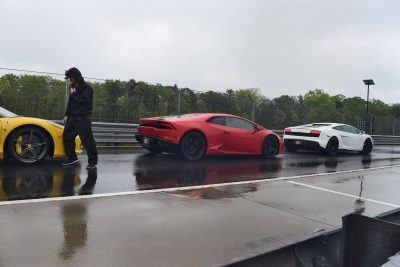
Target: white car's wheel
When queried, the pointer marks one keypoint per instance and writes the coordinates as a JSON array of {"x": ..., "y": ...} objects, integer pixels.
[
  {"x": 368, "y": 146},
  {"x": 332, "y": 147}
]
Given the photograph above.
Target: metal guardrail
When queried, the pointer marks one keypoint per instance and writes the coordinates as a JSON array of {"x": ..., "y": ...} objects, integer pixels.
[
  {"x": 117, "y": 133},
  {"x": 386, "y": 140},
  {"x": 378, "y": 139},
  {"x": 113, "y": 133}
]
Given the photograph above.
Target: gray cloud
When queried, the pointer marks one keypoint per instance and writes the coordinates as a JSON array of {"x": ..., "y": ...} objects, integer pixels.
[{"x": 282, "y": 47}]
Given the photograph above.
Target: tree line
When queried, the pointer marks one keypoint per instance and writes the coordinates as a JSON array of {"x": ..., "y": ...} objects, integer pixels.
[{"x": 127, "y": 101}]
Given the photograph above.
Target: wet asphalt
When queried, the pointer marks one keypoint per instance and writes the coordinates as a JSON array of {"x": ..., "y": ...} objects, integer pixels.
[
  {"x": 130, "y": 170},
  {"x": 206, "y": 226}
]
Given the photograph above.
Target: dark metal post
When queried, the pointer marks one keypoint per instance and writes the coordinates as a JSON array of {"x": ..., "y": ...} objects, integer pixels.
[
  {"x": 179, "y": 102},
  {"x": 252, "y": 108},
  {"x": 305, "y": 113},
  {"x": 179, "y": 99},
  {"x": 66, "y": 93},
  {"x": 368, "y": 82},
  {"x": 372, "y": 127},
  {"x": 367, "y": 98}
]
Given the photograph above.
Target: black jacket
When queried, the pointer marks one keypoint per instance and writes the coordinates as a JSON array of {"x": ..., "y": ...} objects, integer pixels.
[{"x": 80, "y": 104}]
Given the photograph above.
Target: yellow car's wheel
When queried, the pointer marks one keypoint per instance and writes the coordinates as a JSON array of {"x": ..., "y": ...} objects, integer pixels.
[{"x": 28, "y": 145}]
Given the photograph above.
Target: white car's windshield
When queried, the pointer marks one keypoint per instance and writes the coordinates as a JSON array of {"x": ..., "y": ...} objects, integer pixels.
[{"x": 4, "y": 113}]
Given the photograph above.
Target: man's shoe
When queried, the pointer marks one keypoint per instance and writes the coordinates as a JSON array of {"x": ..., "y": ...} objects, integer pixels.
[
  {"x": 70, "y": 163},
  {"x": 91, "y": 166}
]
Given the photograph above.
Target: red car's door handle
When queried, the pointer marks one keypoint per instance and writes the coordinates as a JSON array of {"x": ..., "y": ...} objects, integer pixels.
[{"x": 225, "y": 132}]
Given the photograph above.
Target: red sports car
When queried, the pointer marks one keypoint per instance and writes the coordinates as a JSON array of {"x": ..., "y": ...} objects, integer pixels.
[{"x": 196, "y": 135}]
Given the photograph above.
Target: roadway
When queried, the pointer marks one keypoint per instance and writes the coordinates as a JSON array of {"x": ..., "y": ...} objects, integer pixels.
[
  {"x": 143, "y": 210},
  {"x": 137, "y": 170}
]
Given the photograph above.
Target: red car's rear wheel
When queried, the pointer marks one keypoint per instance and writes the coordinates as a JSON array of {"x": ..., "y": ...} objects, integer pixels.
[
  {"x": 270, "y": 147},
  {"x": 193, "y": 146}
]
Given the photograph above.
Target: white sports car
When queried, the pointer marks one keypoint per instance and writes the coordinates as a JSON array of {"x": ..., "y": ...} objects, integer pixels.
[{"x": 328, "y": 137}]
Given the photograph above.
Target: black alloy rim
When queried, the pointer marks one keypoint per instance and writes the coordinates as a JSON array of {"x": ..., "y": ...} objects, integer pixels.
[
  {"x": 29, "y": 146},
  {"x": 192, "y": 146},
  {"x": 272, "y": 146}
]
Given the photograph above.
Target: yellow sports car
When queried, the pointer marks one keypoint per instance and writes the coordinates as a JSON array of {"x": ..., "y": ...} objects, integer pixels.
[{"x": 30, "y": 140}]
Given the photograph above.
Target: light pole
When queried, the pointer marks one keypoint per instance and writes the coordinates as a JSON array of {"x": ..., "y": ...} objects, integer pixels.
[
  {"x": 368, "y": 83},
  {"x": 368, "y": 119}
]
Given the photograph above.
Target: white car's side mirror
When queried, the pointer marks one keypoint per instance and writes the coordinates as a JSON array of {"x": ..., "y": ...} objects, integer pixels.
[{"x": 362, "y": 132}]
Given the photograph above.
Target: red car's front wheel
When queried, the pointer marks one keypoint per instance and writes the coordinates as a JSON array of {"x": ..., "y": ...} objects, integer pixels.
[
  {"x": 270, "y": 147},
  {"x": 193, "y": 146}
]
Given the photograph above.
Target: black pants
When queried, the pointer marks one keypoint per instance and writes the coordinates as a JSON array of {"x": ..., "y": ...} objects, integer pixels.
[{"x": 83, "y": 127}]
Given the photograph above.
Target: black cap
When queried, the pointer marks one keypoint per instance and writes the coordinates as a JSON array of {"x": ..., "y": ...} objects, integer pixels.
[{"x": 73, "y": 73}]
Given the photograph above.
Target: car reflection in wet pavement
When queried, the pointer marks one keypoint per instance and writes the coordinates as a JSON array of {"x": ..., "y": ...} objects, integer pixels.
[
  {"x": 29, "y": 182},
  {"x": 167, "y": 171},
  {"x": 137, "y": 171}
]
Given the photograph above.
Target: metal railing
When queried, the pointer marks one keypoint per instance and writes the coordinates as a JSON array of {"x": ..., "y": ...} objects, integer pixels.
[
  {"x": 124, "y": 133},
  {"x": 113, "y": 133}
]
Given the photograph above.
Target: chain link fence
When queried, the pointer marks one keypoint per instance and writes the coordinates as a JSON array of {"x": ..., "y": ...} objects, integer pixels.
[
  {"x": 380, "y": 125},
  {"x": 35, "y": 93},
  {"x": 44, "y": 95}
]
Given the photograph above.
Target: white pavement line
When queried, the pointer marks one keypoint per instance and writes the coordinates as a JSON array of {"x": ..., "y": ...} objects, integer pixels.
[
  {"x": 344, "y": 194},
  {"x": 175, "y": 189}
]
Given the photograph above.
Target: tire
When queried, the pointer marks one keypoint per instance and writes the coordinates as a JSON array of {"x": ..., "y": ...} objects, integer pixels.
[
  {"x": 368, "y": 146},
  {"x": 270, "y": 147},
  {"x": 291, "y": 148},
  {"x": 193, "y": 146},
  {"x": 28, "y": 145},
  {"x": 332, "y": 147}
]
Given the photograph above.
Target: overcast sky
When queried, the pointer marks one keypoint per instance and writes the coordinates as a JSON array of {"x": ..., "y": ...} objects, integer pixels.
[{"x": 281, "y": 47}]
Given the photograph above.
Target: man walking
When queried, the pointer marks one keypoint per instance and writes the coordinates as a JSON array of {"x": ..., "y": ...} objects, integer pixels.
[{"x": 77, "y": 119}]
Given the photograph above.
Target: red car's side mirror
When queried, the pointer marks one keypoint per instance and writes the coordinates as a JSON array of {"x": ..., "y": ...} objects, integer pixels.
[{"x": 257, "y": 129}]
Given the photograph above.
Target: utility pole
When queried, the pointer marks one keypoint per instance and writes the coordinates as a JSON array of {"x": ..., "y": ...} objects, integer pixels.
[
  {"x": 179, "y": 98},
  {"x": 301, "y": 100},
  {"x": 368, "y": 82},
  {"x": 252, "y": 108},
  {"x": 66, "y": 93},
  {"x": 368, "y": 98}
]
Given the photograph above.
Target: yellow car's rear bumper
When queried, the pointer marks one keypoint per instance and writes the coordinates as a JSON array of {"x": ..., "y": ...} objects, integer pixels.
[{"x": 59, "y": 151}]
